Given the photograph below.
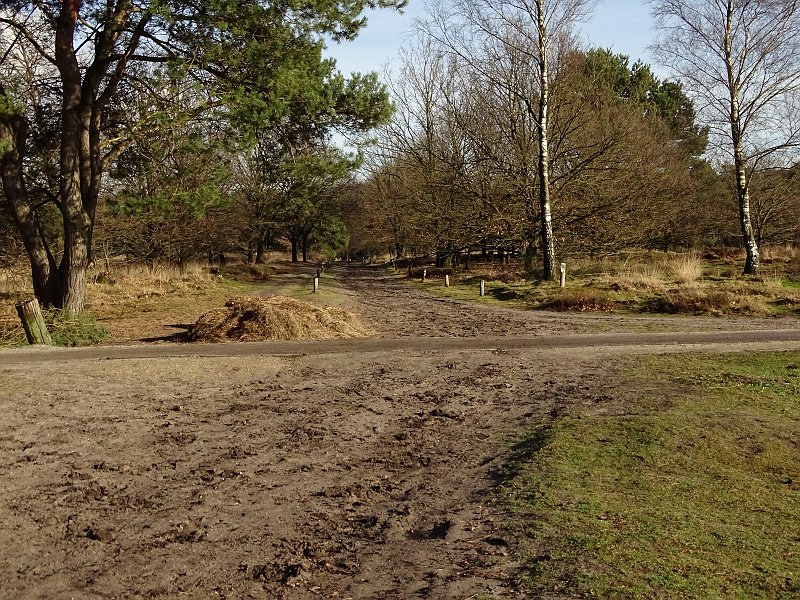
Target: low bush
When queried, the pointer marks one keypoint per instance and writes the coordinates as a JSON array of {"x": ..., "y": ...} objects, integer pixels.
[
  {"x": 690, "y": 301},
  {"x": 699, "y": 301}
]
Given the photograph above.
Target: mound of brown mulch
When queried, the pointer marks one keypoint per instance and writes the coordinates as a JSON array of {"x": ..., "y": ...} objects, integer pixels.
[{"x": 274, "y": 318}]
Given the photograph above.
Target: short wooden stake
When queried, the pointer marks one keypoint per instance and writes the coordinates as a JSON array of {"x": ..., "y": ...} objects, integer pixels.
[
  {"x": 33, "y": 322},
  {"x": 483, "y": 287},
  {"x": 424, "y": 274},
  {"x": 563, "y": 281},
  {"x": 447, "y": 281},
  {"x": 316, "y": 284}
]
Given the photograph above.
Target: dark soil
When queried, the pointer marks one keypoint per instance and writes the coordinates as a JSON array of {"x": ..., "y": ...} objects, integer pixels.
[{"x": 364, "y": 474}]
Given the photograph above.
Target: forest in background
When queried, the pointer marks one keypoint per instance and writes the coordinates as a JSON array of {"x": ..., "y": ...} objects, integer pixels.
[{"x": 165, "y": 133}]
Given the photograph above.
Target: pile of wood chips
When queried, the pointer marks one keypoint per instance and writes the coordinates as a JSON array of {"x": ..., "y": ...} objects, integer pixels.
[{"x": 274, "y": 318}]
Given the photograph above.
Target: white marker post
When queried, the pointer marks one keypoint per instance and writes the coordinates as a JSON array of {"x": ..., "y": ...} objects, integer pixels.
[
  {"x": 447, "y": 281},
  {"x": 316, "y": 284},
  {"x": 483, "y": 287},
  {"x": 563, "y": 281}
]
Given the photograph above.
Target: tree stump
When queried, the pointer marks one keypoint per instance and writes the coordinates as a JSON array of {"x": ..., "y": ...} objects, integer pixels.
[{"x": 33, "y": 322}]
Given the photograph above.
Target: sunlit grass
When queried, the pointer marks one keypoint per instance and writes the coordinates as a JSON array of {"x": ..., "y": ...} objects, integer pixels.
[
  {"x": 637, "y": 282},
  {"x": 689, "y": 493}
]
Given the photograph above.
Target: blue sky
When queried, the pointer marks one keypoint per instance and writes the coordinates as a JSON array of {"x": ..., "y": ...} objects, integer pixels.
[{"x": 622, "y": 25}]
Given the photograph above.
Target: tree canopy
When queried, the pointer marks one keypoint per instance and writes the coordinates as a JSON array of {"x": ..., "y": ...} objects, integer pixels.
[{"x": 74, "y": 74}]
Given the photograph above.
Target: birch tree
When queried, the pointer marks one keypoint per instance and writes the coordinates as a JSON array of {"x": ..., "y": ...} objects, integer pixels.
[
  {"x": 741, "y": 60},
  {"x": 533, "y": 30}
]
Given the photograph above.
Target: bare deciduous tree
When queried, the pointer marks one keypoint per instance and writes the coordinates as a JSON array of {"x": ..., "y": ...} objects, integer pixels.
[
  {"x": 741, "y": 59},
  {"x": 529, "y": 29}
]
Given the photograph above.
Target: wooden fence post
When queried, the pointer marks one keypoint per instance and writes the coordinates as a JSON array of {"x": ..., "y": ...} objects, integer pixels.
[
  {"x": 447, "y": 281},
  {"x": 316, "y": 284},
  {"x": 33, "y": 322},
  {"x": 483, "y": 287},
  {"x": 424, "y": 274},
  {"x": 563, "y": 280}
]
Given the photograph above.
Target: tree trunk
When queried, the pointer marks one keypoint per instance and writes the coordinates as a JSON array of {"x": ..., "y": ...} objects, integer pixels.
[
  {"x": 77, "y": 228},
  {"x": 548, "y": 244},
  {"x": 33, "y": 322},
  {"x": 294, "y": 248},
  {"x": 751, "y": 263},
  {"x": 44, "y": 271},
  {"x": 259, "y": 251},
  {"x": 529, "y": 255},
  {"x": 74, "y": 150},
  {"x": 305, "y": 248}
]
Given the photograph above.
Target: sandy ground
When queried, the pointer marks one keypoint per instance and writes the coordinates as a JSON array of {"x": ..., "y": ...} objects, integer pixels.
[{"x": 362, "y": 474}]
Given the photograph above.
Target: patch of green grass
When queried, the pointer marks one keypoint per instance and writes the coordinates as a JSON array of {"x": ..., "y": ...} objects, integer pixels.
[
  {"x": 69, "y": 329},
  {"x": 301, "y": 287},
  {"x": 65, "y": 330},
  {"x": 695, "y": 495}
]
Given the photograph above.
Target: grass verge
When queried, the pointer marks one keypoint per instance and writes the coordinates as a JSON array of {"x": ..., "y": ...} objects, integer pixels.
[
  {"x": 645, "y": 282},
  {"x": 695, "y": 495}
]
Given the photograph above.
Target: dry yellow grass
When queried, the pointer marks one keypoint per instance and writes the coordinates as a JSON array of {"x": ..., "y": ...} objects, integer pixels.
[
  {"x": 274, "y": 318},
  {"x": 780, "y": 253},
  {"x": 645, "y": 279},
  {"x": 687, "y": 269}
]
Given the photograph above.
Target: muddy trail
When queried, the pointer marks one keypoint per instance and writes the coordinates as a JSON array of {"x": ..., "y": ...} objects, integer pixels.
[
  {"x": 374, "y": 473},
  {"x": 394, "y": 309}
]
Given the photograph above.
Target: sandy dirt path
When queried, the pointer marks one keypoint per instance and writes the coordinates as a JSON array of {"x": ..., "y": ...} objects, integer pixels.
[{"x": 366, "y": 470}]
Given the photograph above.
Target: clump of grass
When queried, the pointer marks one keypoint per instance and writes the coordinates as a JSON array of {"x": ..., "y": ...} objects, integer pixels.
[
  {"x": 248, "y": 272},
  {"x": 691, "y": 495},
  {"x": 713, "y": 301},
  {"x": 73, "y": 329},
  {"x": 645, "y": 279},
  {"x": 687, "y": 269},
  {"x": 691, "y": 300},
  {"x": 785, "y": 252},
  {"x": 580, "y": 299},
  {"x": 142, "y": 281},
  {"x": 11, "y": 332}
]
